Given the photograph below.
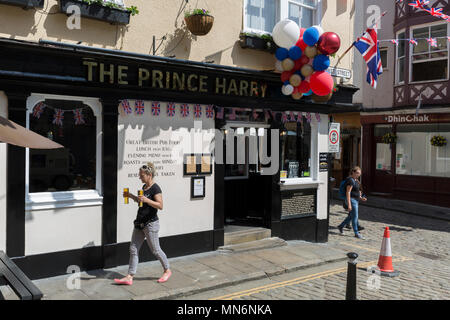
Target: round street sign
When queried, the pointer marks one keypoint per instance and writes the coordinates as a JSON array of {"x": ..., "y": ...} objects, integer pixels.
[{"x": 334, "y": 136}]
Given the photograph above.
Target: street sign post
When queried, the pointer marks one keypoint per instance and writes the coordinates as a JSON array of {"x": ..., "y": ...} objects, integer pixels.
[{"x": 334, "y": 136}]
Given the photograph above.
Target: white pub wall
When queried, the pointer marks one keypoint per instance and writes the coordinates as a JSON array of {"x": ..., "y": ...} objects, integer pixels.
[
  {"x": 3, "y": 113},
  {"x": 162, "y": 139},
  {"x": 322, "y": 192}
]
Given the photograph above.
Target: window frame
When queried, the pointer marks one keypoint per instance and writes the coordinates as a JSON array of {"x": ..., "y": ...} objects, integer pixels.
[
  {"x": 385, "y": 49},
  {"x": 66, "y": 199},
  {"x": 282, "y": 12},
  {"x": 397, "y": 59},
  {"x": 410, "y": 65}
]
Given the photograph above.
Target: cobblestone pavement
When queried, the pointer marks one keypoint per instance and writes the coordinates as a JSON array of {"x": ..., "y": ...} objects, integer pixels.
[{"x": 420, "y": 248}]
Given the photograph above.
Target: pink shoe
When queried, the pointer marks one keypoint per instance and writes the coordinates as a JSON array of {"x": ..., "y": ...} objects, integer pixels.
[
  {"x": 165, "y": 277},
  {"x": 126, "y": 282}
]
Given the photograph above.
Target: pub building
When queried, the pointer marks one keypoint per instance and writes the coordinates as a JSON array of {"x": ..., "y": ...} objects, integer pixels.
[
  {"x": 412, "y": 167},
  {"x": 114, "y": 111}
]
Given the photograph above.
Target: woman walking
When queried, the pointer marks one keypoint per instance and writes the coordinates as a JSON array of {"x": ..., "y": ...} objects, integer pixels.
[
  {"x": 146, "y": 225},
  {"x": 352, "y": 197}
]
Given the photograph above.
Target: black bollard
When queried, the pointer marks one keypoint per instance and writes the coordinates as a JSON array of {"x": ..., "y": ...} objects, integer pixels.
[{"x": 350, "y": 293}]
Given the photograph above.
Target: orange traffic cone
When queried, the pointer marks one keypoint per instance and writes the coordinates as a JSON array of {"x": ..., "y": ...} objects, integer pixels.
[{"x": 385, "y": 259}]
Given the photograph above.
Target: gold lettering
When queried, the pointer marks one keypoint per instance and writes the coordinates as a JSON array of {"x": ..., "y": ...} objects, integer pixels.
[
  {"x": 263, "y": 90},
  {"x": 243, "y": 88},
  {"x": 167, "y": 80},
  {"x": 233, "y": 87},
  {"x": 177, "y": 82},
  {"x": 189, "y": 84},
  {"x": 91, "y": 65},
  {"x": 104, "y": 73},
  {"x": 203, "y": 84},
  {"x": 121, "y": 74},
  {"x": 144, "y": 75},
  {"x": 254, "y": 88},
  {"x": 157, "y": 77},
  {"x": 221, "y": 86}
]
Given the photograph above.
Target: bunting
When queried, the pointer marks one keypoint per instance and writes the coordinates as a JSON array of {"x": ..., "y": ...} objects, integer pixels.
[
  {"x": 58, "y": 117},
  {"x": 38, "y": 110},
  {"x": 139, "y": 107},
  {"x": 126, "y": 107},
  {"x": 171, "y": 109},
  {"x": 156, "y": 108},
  {"x": 78, "y": 116},
  {"x": 184, "y": 109},
  {"x": 209, "y": 112},
  {"x": 197, "y": 111}
]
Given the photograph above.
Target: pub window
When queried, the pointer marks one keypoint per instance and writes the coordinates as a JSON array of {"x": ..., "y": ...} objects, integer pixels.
[
  {"x": 74, "y": 167},
  {"x": 401, "y": 58},
  {"x": 296, "y": 150},
  {"x": 428, "y": 62},
  {"x": 384, "y": 57},
  {"x": 383, "y": 151},
  {"x": 236, "y": 160},
  {"x": 260, "y": 16}
]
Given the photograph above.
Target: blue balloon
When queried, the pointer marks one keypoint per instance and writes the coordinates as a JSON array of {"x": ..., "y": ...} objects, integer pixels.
[
  {"x": 300, "y": 74},
  {"x": 311, "y": 36},
  {"x": 321, "y": 62},
  {"x": 295, "y": 53},
  {"x": 310, "y": 92},
  {"x": 281, "y": 53},
  {"x": 286, "y": 83}
]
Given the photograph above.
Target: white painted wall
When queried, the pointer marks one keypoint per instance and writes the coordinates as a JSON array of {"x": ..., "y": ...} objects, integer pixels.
[
  {"x": 62, "y": 229},
  {"x": 180, "y": 215},
  {"x": 3, "y": 113},
  {"x": 322, "y": 146}
]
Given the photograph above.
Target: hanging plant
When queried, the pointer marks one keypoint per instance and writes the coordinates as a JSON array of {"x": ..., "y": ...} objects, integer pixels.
[
  {"x": 198, "y": 21},
  {"x": 389, "y": 138},
  {"x": 438, "y": 141}
]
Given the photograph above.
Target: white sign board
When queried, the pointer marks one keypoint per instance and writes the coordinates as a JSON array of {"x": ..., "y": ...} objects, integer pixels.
[
  {"x": 334, "y": 135},
  {"x": 340, "y": 73}
]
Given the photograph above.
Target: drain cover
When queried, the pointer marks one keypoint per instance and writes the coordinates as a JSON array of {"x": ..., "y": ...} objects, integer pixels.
[{"x": 428, "y": 255}]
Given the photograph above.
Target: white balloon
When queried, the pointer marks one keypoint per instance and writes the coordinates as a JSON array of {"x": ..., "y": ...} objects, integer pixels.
[
  {"x": 287, "y": 90},
  {"x": 286, "y": 33},
  {"x": 319, "y": 28},
  {"x": 278, "y": 66}
]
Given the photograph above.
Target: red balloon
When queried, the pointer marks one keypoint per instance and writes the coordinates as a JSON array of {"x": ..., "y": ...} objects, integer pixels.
[
  {"x": 296, "y": 90},
  {"x": 298, "y": 65},
  {"x": 302, "y": 31},
  {"x": 322, "y": 83},
  {"x": 304, "y": 59},
  {"x": 285, "y": 76},
  {"x": 304, "y": 87},
  {"x": 329, "y": 43},
  {"x": 300, "y": 43}
]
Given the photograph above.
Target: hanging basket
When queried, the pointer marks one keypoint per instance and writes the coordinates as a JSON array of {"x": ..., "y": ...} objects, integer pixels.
[
  {"x": 321, "y": 99},
  {"x": 389, "y": 138},
  {"x": 438, "y": 141},
  {"x": 199, "y": 24}
]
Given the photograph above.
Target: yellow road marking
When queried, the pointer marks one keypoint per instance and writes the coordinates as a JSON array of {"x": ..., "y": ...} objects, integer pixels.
[{"x": 296, "y": 281}]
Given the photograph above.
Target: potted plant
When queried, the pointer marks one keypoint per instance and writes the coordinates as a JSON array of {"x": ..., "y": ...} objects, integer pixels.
[
  {"x": 26, "y": 4},
  {"x": 101, "y": 10},
  {"x": 198, "y": 21},
  {"x": 258, "y": 42},
  {"x": 389, "y": 138},
  {"x": 438, "y": 141}
]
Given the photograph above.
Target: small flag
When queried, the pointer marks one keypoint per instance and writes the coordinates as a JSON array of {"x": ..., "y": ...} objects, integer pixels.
[
  {"x": 78, "y": 115},
  {"x": 432, "y": 42},
  {"x": 156, "y": 108},
  {"x": 318, "y": 117},
  {"x": 126, "y": 107},
  {"x": 171, "y": 109},
  {"x": 308, "y": 117},
  {"x": 197, "y": 111},
  {"x": 435, "y": 12},
  {"x": 292, "y": 116},
  {"x": 255, "y": 114},
  {"x": 394, "y": 41},
  {"x": 266, "y": 115},
  {"x": 413, "y": 41},
  {"x": 232, "y": 116},
  {"x": 58, "y": 117},
  {"x": 220, "y": 113},
  {"x": 299, "y": 117},
  {"x": 38, "y": 110},
  {"x": 139, "y": 107},
  {"x": 209, "y": 112},
  {"x": 419, "y": 104},
  {"x": 284, "y": 117},
  {"x": 418, "y": 4},
  {"x": 184, "y": 109}
]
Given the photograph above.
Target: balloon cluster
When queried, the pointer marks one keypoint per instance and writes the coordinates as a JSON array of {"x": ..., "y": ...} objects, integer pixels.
[{"x": 303, "y": 58}]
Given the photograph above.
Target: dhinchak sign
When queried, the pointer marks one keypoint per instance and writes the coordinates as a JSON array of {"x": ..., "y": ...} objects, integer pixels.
[
  {"x": 407, "y": 118},
  {"x": 157, "y": 78}
]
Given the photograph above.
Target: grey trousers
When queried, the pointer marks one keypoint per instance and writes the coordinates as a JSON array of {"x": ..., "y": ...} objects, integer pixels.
[{"x": 150, "y": 232}]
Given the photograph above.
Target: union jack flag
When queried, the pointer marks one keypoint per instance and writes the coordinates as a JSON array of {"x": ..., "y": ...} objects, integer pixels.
[
  {"x": 220, "y": 113},
  {"x": 266, "y": 115},
  {"x": 435, "y": 12},
  {"x": 284, "y": 117},
  {"x": 232, "y": 116},
  {"x": 432, "y": 42},
  {"x": 255, "y": 114},
  {"x": 156, "y": 108},
  {"x": 38, "y": 109},
  {"x": 308, "y": 117},
  {"x": 78, "y": 116},
  {"x": 299, "y": 117},
  {"x": 170, "y": 109},
  {"x": 394, "y": 41},
  {"x": 419, "y": 4},
  {"x": 197, "y": 111},
  {"x": 139, "y": 107},
  {"x": 126, "y": 107},
  {"x": 413, "y": 41},
  {"x": 184, "y": 109},
  {"x": 58, "y": 117},
  {"x": 368, "y": 46},
  {"x": 318, "y": 117},
  {"x": 209, "y": 112}
]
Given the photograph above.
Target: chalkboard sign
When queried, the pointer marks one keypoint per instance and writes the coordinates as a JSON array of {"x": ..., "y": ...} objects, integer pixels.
[{"x": 323, "y": 162}]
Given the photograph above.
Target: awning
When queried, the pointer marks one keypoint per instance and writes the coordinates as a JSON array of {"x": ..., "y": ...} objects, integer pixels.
[{"x": 13, "y": 133}]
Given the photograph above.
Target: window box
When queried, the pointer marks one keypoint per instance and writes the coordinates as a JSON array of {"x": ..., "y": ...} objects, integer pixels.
[
  {"x": 26, "y": 4},
  {"x": 257, "y": 43},
  {"x": 98, "y": 12}
]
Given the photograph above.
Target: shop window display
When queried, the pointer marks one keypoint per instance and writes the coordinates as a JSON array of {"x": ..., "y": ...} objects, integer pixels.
[{"x": 296, "y": 150}]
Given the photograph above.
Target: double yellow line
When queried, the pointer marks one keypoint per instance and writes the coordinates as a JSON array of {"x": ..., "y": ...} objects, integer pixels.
[{"x": 291, "y": 282}]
